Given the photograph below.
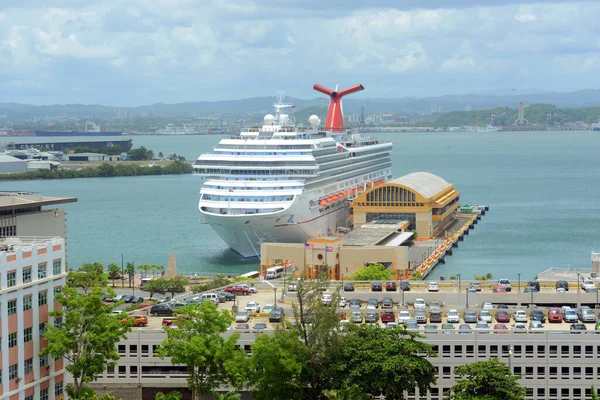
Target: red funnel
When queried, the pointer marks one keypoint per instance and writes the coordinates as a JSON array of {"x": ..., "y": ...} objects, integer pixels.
[{"x": 335, "y": 116}]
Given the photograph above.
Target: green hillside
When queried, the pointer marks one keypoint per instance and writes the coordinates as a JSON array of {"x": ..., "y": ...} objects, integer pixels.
[
  {"x": 302, "y": 115},
  {"x": 535, "y": 114}
]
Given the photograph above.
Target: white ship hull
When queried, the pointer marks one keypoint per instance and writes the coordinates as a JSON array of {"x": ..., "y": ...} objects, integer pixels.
[{"x": 296, "y": 224}]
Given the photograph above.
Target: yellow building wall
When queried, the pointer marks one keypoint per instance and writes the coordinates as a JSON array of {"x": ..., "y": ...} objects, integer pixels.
[
  {"x": 424, "y": 225},
  {"x": 355, "y": 257}
]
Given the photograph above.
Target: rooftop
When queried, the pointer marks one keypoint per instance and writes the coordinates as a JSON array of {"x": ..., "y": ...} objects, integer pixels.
[
  {"x": 18, "y": 200},
  {"x": 11, "y": 244},
  {"x": 371, "y": 234},
  {"x": 424, "y": 183}
]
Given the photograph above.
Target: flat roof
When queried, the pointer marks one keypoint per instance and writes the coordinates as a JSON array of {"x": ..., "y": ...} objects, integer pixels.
[
  {"x": 399, "y": 239},
  {"x": 371, "y": 234},
  {"x": 17, "y": 200}
]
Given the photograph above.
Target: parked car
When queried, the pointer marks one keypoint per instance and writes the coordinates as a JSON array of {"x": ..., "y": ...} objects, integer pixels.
[
  {"x": 430, "y": 328},
  {"x": 453, "y": 317},
  {"x": 130, "y": 299},
  {"x": 476, "y": 285},
  {"x": 242, "y": 316},
  {"x": 356, "y": 317},
  {"x": 326, "y": 299},
  {"x": 591, "y": 290},
  {"x": 536, "y": 326},
  {"x": 505, "y": 283},
  {"x": 137, "y": 320},
  {"x": 447, "y": 327},
  {"x": 485, "y": 315},
  {"x": 502, "y": 316},
  {"x": 519, "y": 327},
  {"x": 342, "y": 302},
  {"x": 538, "y": 315},
  {"x": 372, "y": 317},
  {"x": 293, "y": 287},
  {"x": 238, "y": 290},
  {"x": 570, "y": 315},
  {"x": 470, "y": 317},
  {"x": 251, "y": 288},
  {"x": 435, "y": 304},
  {"x": 212, "y": 297},
  {"x": 120, "y": 297},
  {"x": 252, "y": 307},
  {"x": 420, "y": 316},
  {"x": 227, "y": 296},
  {"x": 500, "y": 328},
  {"x": 348, "y": 286},
  {"x": 433, "y": 287},
  {"x": 499, "y": 289},
  {"x": 561, "y": 290},
  {"x": 435, "y": 316},
  {"x": 391, "y": 324},
  {"x": 534, "y": 284},
  {"x": 420, "y": 303},
  {"x": 520, "y": 316},
  {"x": 276, "y": 315},
  {"x": 259, "y": 326},
  {"x": 242, "y": 327},
  {"x": 161, "y": 309},
  {"x": 588, "y": 283},
  {"x": 177, "y": 305},
  {"x": 387, "y": 302},
  {"x": 554, "y": 315},
  {"x": 411, "y": 325},
  {"x": 487, "y": 305},
  {"x": 562, "y": 285},
  {"x": 405, "y": 286},
  {"x": 404, "y": 316},
  {"x": 267, "y": 308},
  {"x": 391, "y": 286},
  {"x": 388, "y": 316},
  {"x": 355, "y": 303},
  {"x": 139, "y": 299},
  {"x": 372, "y": 304},
  {"x": 578, "y": 326},
  {"x": 169, "y": 321},
  {"x": 586, "y": 314},
  {"x": 376, "y": 287},
  {"x": 530, "y": 289},
  {"x": 482, "y": 327},
  {"x": 464, "y": 328}
]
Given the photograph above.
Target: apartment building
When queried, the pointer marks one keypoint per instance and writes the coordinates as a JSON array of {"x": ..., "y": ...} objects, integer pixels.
[
  {"x": 32, "y": 270},
  {"x": 553, "y": 364}
]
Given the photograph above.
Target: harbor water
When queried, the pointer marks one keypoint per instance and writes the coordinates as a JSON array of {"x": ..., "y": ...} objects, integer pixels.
[{"x": 543, "y": 190}]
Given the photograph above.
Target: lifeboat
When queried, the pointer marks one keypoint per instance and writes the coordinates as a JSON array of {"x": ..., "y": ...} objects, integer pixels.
[
  {"x": 330, "y": 199},
  {"x": 345, "y": 193},
  {"x": 352, "y": 191},
  {"x": 323, "y": 203},
  {"x": 361, "y": 187}
]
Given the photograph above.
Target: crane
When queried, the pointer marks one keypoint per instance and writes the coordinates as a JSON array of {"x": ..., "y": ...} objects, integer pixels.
[
  {"x": 476, "y": 118},
  {"x": 112, "y": 118}
]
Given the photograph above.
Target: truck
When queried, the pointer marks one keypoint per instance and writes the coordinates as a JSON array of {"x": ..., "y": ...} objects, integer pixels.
[{"x": 274, "y": 272}]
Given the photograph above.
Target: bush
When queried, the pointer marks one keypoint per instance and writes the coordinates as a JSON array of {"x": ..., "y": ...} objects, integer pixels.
[{"x": 373, "y": 272}]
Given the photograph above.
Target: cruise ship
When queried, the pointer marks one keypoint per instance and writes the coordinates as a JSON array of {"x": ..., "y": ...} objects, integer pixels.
[{"x": 286, "y": 183}]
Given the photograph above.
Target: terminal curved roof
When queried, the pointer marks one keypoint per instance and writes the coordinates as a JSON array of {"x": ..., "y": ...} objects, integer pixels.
[{"x": 424, "y": 183}]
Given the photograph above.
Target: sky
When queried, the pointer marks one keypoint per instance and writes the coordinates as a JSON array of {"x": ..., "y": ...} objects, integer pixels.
[{"x": 138, "y": 52}]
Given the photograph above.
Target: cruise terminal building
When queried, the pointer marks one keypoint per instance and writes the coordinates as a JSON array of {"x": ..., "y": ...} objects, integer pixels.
[{"x": 385, "y": 218}]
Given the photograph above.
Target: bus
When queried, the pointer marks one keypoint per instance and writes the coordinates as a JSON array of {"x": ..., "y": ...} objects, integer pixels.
[
  {"x": 274, "y": 272},
  {"x": 144, "y": 281}
]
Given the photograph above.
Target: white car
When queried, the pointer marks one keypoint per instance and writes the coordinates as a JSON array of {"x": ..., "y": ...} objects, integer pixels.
[
  {"x": 252, "y": 306},
  {"x": 242, "y": 316},
  {"x": 588, "y": 284},
  {"x": 520, "y": 316},
  {"x": 342, "y": 302},
  {"x": 433, "y": 287},
  {"x": 420, "y": 303},
  {"x": 487, "y": 305},
  {"x": 453, "y": 317},
  {"x": 326, "y": 299},
  {"x": 268, "y": 308},
  {"x": 484, "y": 315},
  {"x": 561, "y": 290},
  {"x": 482, "y": 326},
  {"x": 252, "y": 288},
  {"x": 404, "y": 316}
]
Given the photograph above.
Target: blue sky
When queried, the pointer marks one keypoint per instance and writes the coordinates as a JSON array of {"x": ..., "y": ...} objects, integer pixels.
[{"x": 134, "y": 52}]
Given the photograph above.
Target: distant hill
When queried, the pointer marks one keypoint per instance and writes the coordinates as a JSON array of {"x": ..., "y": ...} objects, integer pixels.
[
  {"x": 352, "y": 104},
  {"x": 303, "y": 115}
]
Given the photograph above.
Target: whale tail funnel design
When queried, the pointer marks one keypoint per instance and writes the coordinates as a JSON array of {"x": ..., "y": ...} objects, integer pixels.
[{"x": 335, "y": 116}]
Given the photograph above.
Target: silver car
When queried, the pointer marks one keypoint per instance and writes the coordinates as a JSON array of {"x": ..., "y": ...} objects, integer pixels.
[{"x": 484, "y": 315}]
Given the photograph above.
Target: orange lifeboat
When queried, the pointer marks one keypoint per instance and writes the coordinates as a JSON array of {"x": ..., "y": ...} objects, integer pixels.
[
  {"x": 345, "y": 193},
  {"x": 361, "y": 187},
  {"x": 323, "y": 203},
  {"x": 352, "y": 191}
]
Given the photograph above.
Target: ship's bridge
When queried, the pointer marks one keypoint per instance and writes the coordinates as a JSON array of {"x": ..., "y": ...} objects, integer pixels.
[{"x": 427, "y": 201}]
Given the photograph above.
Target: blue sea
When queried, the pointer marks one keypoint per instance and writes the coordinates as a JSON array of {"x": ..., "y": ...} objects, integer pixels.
[{"x": 543, "y": 190}]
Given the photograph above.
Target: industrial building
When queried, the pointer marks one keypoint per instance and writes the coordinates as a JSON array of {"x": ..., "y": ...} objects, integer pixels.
[
  {"x": 85, "y": 157},
  {"x": 32, "y": 270},
  {"x": 9, "y": 164}
]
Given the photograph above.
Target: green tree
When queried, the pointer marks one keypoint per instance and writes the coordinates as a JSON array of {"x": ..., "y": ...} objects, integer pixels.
[
  {"x": 86, "y": 335},
  {"x": 175, "y": 285},
  {"x": 172, "y": 395},
  {"x": 231, "y": 395},
  {"x": 161, "y": 155},
  {"x": 276, "y": 364},
  {"x": 114, "y": 272},
  {"x": 594, "y": 393},
  {"x": 211, "y": 359},
  {"x": 156, "y": 286},
  {"x": 383, "y": 362},
  {"x": 373, "y": 272},
  {"x": 96, "y": 268},
  {"x": 130, "y": 272},
  {"x": 350, "y": 393},
  {"x": 140, "y": 154},
  {"x": 486, "y": 380},
  {"x": 87, "y": 277}
]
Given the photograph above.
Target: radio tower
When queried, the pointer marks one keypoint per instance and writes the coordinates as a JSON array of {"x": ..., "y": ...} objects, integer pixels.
[{"x": 335, "y": 116}]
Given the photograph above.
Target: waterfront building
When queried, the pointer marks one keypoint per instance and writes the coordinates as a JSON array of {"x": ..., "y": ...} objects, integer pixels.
[
  {"x": 9, "y": 164},
  {"x": 32, "y": 270}
]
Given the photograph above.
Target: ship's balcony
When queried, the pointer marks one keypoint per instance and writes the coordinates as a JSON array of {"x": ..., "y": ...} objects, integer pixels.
[{"x": 245, "y": 204}]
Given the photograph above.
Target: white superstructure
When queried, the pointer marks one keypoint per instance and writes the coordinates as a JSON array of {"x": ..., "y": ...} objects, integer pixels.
[
  {"x": 282, "y": 183},
  {"x": 172, "y": 129}
]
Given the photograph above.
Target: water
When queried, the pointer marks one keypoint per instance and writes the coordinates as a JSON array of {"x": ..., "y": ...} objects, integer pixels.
[{"x": 543, "y": 189}]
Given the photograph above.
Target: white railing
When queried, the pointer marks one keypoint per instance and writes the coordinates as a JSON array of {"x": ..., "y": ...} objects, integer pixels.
[{"x": 10, "y": 244}]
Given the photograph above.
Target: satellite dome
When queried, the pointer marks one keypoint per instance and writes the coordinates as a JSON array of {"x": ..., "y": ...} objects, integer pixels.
[
  {"x": 314, "y": 120},
  {"x": 269, "y": 119}
]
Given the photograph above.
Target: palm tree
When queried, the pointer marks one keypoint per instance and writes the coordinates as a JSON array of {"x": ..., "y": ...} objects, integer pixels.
[
  {"x": 173, "y": 395},
  {"x": 130, "y": 271},
  {"x": 226, "y": 396},
  {"x": 113, "y": 272}
]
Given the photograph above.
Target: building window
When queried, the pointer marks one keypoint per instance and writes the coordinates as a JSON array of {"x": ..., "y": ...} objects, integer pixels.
[
  {"x": 12, "y": 339},
  {"x": 27, "y": 303},
  {"x": 42, "y": 298},
  {"x": 42, "y": 328},
  {"x": 58, "y": 322},
  {"x": 29, "y": 397},
  {"x": 56, "y": 267},
  {"x": 12, "y": 371},
  {"x": 26, "y": 275},
  {"x": 133, "y": 349},
  {"x": 28, "y": 365},
  {"x": 133, "y": 370},
  {"x": 58, "y": 389},
  {"x": 122, "y": 349},
  {"x": 44, "y": 394},
  {"x": 27, "y": 335},
  {"x": 42, "y": 271},
  {"x": 57, "y": 289},
  {"x": 43, "y": 361},
  {"x": 12, "y": 307},
  {"x": 11, "y": 279}
]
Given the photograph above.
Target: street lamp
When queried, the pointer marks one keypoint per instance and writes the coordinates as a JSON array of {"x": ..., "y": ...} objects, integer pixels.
[
  {"x": 133, "y": 264},
  {"x": 274, "y": 296},
  {"x": 578, "y": 288},
  {"x": 458, "y": 276},
  {"x": 467, "y": 291},
  {"x": 519, "y": 282},
  {"x": 510, "y": 353},
  {"x": 122, "y": 272}
]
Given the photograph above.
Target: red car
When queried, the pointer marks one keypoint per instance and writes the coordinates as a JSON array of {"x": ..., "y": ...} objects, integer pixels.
[
  {"x": 388, "y": 316},
  {"x": 500, "y": 289},
  {"x": 238, "y": 290},
  {"x": 554, "y": 315},
  {"x": 502, "y": 316},
  {"x": 390, "y": 286},
  {"x": 500, "y": 328}
]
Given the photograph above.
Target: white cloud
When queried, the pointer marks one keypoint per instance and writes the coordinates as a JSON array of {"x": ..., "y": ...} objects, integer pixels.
[
  {"x": 459, "y": 64},
  {"x": 525, "y": 17}
]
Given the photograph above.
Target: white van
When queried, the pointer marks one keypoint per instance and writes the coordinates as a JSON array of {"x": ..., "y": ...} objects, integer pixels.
[
  {"x": 210, "y": 297},
  {"x": 274, "y": 272}
]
